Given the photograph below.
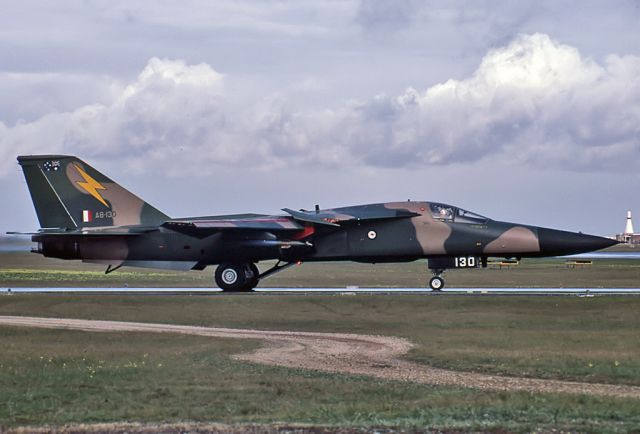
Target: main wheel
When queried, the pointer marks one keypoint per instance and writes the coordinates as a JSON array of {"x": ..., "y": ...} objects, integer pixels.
[
  {"x": 236, "y": 277},
  {"x": 255, "y": 278},
  {"x": 436, "y": 283}
]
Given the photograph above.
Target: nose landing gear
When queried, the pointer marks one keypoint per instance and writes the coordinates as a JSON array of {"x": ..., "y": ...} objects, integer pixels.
[{"x": 436, "y": 283}]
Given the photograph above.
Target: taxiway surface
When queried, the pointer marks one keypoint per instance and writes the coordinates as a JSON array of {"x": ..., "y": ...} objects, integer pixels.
[{"x": 344, "y": 290}]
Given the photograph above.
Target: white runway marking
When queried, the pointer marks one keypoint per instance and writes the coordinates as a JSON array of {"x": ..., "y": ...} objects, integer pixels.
[{"x": 603, "y": 255}]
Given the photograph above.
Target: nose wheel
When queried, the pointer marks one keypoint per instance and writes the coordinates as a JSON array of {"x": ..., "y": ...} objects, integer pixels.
[{"x": 436, "y": 283}]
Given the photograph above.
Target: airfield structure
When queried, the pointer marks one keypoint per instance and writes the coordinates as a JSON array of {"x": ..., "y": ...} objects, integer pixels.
[
  {"x": 629, "y": 236},
  {"x": 628, "y": 230}
]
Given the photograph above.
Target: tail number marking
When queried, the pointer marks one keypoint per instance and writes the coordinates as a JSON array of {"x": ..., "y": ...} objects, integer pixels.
[
  {"x": 89, "y": 216},
  {"x": 104, "y": 214}
]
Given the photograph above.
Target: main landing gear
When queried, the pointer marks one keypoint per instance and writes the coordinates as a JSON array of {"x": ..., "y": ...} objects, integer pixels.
[
  {"x": 237, "y": 277},
  {"x": 243, "y": 277}
]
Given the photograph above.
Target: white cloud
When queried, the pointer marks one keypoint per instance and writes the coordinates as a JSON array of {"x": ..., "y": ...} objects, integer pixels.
[
  {"x": 534, "y": 101},
  {"x": 171, "y": 107}
]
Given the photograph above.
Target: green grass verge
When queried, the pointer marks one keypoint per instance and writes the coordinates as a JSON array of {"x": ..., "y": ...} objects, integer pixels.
[
  {"x": 30, "y": 270},
  {"x": 56, "y": 376}
]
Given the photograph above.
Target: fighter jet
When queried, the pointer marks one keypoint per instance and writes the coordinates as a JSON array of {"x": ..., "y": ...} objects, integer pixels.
[{"x": 86, "y": 216}]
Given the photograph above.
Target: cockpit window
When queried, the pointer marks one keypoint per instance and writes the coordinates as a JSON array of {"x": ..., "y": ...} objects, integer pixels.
[
  {"x": 442, "y": 212},
  {"x": 465, "y": 216},
  {"x": 448, "y": 213}
]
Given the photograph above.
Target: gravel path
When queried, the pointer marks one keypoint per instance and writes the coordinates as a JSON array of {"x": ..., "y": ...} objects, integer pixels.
[{"x": 375, "y": 356}]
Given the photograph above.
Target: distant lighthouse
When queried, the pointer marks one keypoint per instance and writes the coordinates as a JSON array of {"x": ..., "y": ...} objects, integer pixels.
[
  {"x": 628, "y": 236},
  {"x": 628, "y": 229}
]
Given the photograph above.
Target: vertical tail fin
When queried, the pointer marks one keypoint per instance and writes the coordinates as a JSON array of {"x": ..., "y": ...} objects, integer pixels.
[{"x": 68, "y": 193}]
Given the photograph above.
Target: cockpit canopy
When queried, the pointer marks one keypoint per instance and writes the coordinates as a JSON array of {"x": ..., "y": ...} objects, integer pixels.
[{"x": 448, "y": 213}]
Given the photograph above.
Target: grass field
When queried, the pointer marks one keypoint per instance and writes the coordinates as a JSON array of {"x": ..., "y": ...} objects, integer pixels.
[
  {"x": 55, "y": 376},
  {"x": 30, "y": 270}
]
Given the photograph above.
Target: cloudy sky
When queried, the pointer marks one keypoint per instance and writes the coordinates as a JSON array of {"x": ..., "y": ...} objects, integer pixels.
[{"x": 520, "y": 110}]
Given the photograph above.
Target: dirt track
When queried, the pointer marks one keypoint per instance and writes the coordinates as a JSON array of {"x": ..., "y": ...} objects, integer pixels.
[{"x": 375, "y": 356}]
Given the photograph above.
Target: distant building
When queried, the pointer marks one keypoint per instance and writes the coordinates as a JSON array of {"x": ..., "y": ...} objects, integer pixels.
[{"x": 629, "y": 236}]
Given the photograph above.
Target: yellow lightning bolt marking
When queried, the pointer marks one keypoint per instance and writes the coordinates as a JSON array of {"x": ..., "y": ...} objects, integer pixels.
[{"x": 90, "y": 185}]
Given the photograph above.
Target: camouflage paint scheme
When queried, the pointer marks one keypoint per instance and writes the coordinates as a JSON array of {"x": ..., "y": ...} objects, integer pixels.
[{"x": 85, "y": 215}]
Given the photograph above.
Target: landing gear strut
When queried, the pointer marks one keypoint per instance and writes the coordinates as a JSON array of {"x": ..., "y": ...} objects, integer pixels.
[
  {"x": 237, "y": 277},
  {"x": 436, "y": 282}
]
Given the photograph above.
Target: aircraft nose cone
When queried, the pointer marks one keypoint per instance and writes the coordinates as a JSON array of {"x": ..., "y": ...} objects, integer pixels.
[{"x": 555, "y": 242}]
